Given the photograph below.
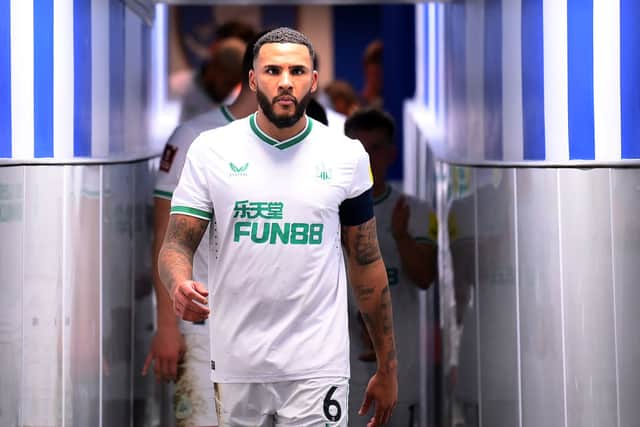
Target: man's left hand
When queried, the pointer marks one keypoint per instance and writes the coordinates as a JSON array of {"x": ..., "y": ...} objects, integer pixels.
[{"x": 382, "y": 392}]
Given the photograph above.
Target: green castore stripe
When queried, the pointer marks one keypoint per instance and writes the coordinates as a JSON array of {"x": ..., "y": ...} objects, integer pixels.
[
  {"x": 163, "y": 194},
  {"x": 192, "y": 211}
]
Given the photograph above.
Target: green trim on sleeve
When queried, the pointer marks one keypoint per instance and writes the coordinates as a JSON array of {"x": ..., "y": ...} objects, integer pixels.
[
  {"x": 184, "y": 210},
  {"x": 162, "y": 194}
]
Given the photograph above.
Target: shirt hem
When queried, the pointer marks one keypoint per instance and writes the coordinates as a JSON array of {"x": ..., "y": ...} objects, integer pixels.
[{"x": 277, "y": 377}]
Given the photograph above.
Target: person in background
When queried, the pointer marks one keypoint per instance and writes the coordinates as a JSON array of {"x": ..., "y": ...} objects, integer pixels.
[
  {"x": 216, "y": 83},
  {"x": 342, "y": 97},
  {"x": 180, "y": 349},
  {"x": 408, "y": 245},
  {"x": 202, "y": 93},
  {"x": 335, "y": 120}
]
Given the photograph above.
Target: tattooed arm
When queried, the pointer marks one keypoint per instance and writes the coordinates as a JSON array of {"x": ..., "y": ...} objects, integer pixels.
[
  {"x": 175, "y": 266},
  {"x": 368, "y": 278}
]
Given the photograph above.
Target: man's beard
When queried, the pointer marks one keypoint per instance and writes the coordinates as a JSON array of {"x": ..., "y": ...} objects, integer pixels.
[{"x": 282, "y": 121}]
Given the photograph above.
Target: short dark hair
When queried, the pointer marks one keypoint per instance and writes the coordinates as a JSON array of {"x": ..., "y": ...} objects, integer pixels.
[
  {"x": 285, "y": 35},
  {"x": 369, "y": 119}
]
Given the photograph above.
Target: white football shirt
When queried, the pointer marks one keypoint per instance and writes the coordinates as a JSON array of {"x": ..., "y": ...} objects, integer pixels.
[
  {"x": 171, "y": 164},
  {"x": 277, "y": 281}
]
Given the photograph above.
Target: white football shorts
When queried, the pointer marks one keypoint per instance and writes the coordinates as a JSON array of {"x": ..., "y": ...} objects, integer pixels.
[{"x": 315, "y": 402}]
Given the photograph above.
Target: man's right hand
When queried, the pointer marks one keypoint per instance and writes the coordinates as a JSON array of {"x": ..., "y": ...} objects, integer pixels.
[
  {"x": 167, "y": 349},
  {"x": 190, "y": 301}
]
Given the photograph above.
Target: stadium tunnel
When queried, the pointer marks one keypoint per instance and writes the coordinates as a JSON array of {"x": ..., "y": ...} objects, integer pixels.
[{"x": 518, "y": 120}]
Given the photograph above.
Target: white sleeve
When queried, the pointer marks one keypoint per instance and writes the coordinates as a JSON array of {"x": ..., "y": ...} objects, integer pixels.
[
  {"x": 362, "y": 179},
  {"x": 192, "y": 196}
]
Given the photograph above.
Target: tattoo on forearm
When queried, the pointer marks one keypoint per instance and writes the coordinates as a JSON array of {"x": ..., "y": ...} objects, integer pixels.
[
  {"x": 180, "y": 242},
  {"x": 182, "y": 232},
  {"x": 361, "y": 247},
  {"x": 363, "y": 293},
  {"x": 380, "y": 325},
  {"x": 365, "y": 246}
]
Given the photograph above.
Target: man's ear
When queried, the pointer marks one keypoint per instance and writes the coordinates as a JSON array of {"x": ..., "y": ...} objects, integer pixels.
[
  {"x": 252, "y": 80},
  {"x": 314, "y": 82}
]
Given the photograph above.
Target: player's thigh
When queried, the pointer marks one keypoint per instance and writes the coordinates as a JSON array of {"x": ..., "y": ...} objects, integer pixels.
[
  {"x": 314, "y": 402},
  {"x": 194, "y": 396},
  {"x": 244, "y": 405}
]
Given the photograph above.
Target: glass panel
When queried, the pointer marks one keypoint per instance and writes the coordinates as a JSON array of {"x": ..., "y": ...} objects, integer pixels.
[
  {"x": 117, "y": 297},
  {"x": 11, "y": 284},
  {"x": 626, "y": 239},
  {"x": 497, "y": 298},
  {"x": 82, "y": 295},
  {"x": 540, "y": 298},
  {"x": 143, "y": 404},
  {"x": 588, "y": 297},
  {"x": 461, "y": 326},
  {"x": 42, "y": 293}
]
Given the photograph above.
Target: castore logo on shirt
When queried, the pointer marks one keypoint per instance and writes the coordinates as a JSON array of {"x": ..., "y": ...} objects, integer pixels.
[{"x": 238, "y": 170}]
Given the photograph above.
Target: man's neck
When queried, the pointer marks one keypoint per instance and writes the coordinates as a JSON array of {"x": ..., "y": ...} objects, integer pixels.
[
  {"x": 244, "y": 105},
  {"x": 277, "y": 133}
]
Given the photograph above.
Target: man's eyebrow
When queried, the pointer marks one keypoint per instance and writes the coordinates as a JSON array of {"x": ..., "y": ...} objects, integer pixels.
[{"x": 289, "y": 66}]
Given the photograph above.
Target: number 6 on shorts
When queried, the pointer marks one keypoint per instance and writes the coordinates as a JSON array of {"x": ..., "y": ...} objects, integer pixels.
[
  {"x": 335, "y": 399},
  {"x": 332, "y": 409}
]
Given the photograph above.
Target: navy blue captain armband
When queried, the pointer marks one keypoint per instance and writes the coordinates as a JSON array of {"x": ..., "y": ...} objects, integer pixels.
[{"x": 358, "y": 210}]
